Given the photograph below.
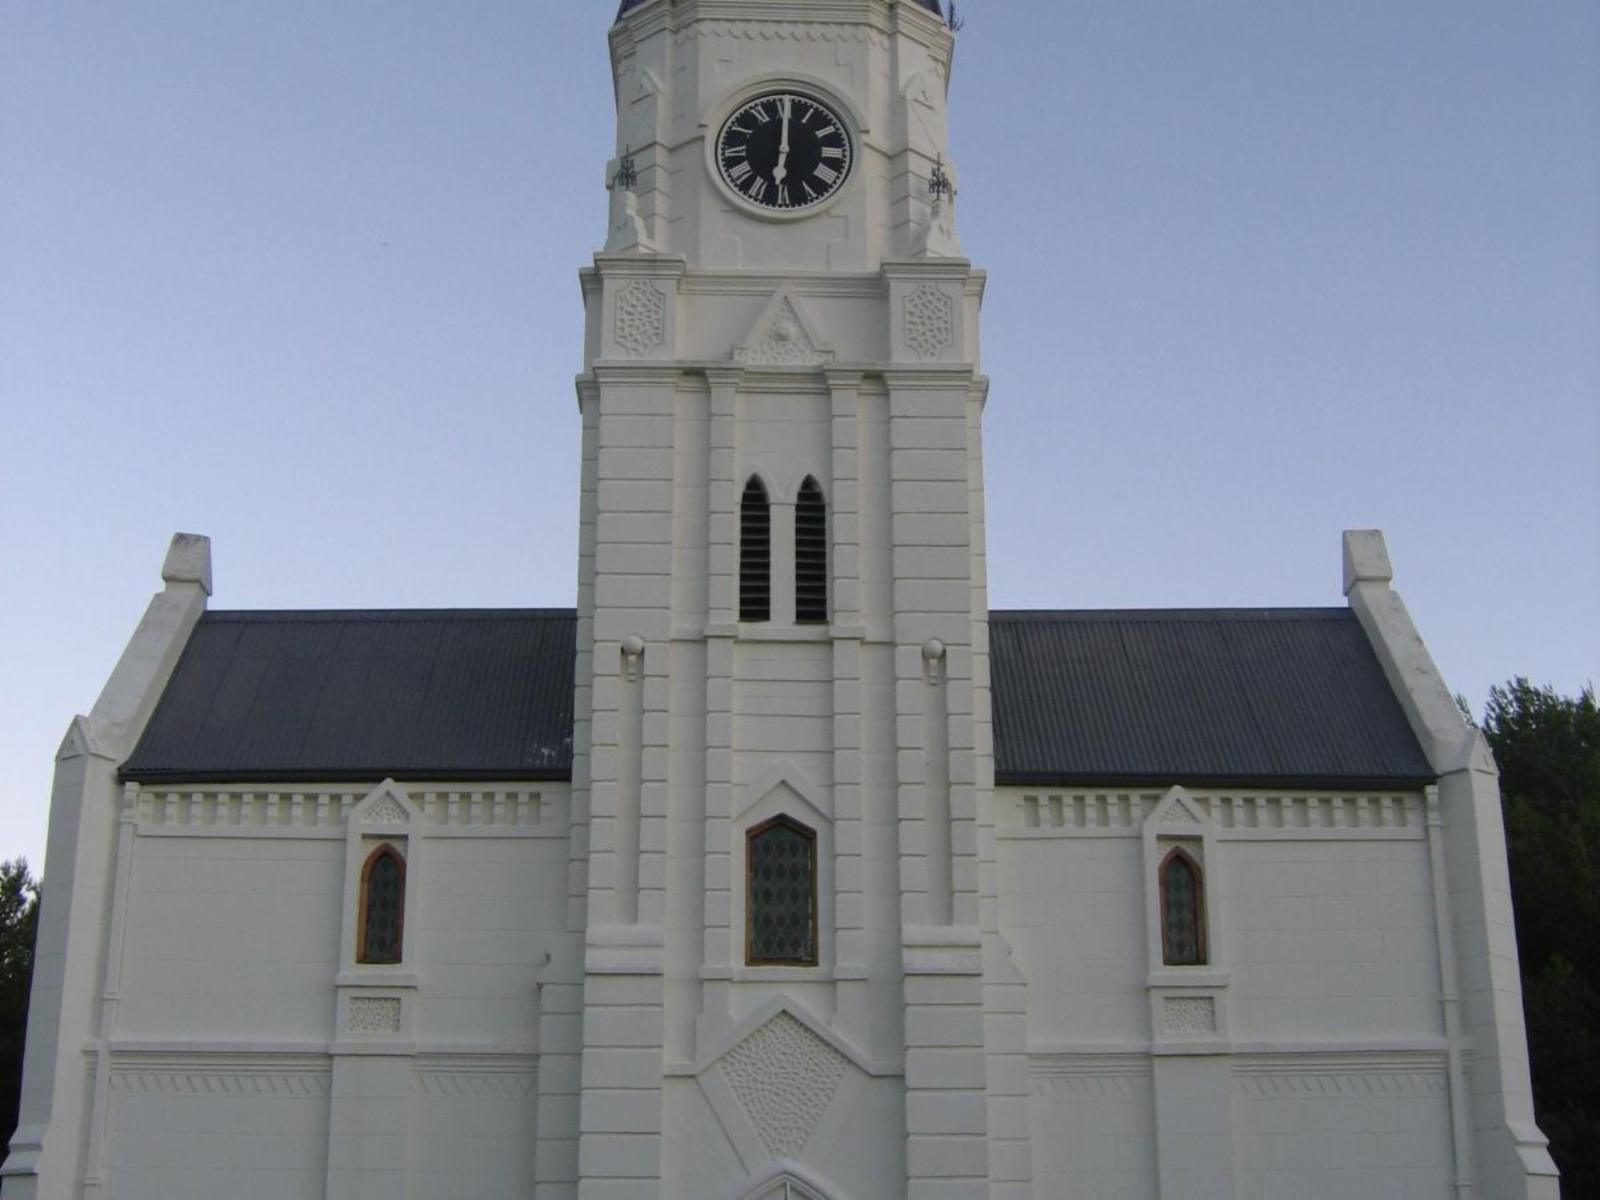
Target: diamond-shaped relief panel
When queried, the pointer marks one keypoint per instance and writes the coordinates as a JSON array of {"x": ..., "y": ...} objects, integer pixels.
[{"x": 784, "y": 1077}]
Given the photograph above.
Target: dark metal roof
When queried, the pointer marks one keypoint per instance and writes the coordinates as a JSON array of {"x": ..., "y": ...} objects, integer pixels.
[
  {"x": 1277, "y": 697},
  {"x": 630, "y": 5},
  {"x": 1285, "y": 697},
  {"x": 363, "y": 695}
]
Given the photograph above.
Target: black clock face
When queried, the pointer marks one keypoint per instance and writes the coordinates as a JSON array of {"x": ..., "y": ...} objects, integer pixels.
[{"x": 784, "y": 151}]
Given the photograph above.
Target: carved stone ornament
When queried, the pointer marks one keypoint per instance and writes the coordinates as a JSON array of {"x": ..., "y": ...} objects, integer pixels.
[
  {"x": 930, "y": 321},
  {"x": 641, "y": 316},
  {"x": 783, "y": 337},
  {"x": 387, "y": 810},
  {"x": 784, "y": 1076},
  {"x": 627, "y": 233},
  {"x": 937, "y": 236}
]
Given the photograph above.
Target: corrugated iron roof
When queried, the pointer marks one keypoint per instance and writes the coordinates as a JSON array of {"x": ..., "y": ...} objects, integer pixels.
[
  {"x": 1222, "y": 696},
  {"x": 1258, "y": 696},
  {"x": 291, "y": 696}
]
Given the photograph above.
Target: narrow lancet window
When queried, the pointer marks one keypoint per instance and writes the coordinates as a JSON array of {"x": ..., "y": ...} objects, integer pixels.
[
  {"x": 1183, "y": 926},
  {"x": 781, "y": 924},
  {"x": 810, "y": 555},
  {"x": 755, "y": 553},
  {"x": 383, "y": 907}
]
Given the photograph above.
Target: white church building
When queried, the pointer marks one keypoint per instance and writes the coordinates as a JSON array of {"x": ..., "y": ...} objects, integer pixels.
[{"x": 780, "y": 867}]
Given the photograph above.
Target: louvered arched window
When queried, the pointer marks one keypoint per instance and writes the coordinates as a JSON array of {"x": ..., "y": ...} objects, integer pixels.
[
  {"x": 781, "y": 903},
  {"x": 810, "y": 555},
  {"x": 381, "y": 921},
  {"x": 755, "y": 553},
  {"x": 1183, "y": 919}
]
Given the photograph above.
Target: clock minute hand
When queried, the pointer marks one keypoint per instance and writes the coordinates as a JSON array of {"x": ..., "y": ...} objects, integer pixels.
[{"x": 780, "y": 172}]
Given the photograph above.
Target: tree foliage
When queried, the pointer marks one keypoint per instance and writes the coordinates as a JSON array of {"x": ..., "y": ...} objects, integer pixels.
[
  {"x": 1548, "y": 749},
  {"x": 19, "y": 922}
]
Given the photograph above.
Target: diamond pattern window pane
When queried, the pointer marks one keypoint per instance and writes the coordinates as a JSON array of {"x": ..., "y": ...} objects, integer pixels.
[
  {"x": 1180, "y": 893},
  {"x": 782, "y": 899},
  {"x": 380, "y": 936}
]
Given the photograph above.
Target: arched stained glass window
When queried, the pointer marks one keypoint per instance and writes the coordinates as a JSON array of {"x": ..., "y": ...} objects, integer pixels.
[
  {"x": 1183, "y": 923},
  {"x": 755, "y": 553},
  {"x": 781, "y": 907},
  {"x": 810, "y": 555},
  {"x": 383, "y": 907}
]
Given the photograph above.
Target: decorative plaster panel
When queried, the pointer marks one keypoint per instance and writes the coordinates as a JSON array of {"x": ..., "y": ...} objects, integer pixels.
[
  {"x": 374, "y": 1014},
  {"x": 1189, "y": 1014},
  {"x": 1100, "y": 814},
  {"x": 236, "y": 811},
  {"x": 1108, "y": 1077},
  {"x": 783, "y": 1076},
  {"x": 930, "y": 320},
  {"x": 496, "y": 1085},
  {"x": 641, "y": 316},
  {"x": 776, "y": 31},
  {"x": 1325, "y": 1075},
  {"x": 217, "y": 1080}
]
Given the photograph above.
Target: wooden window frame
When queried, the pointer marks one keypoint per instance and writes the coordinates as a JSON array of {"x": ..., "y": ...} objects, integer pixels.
[
  {"x": 1202, "y": 949},
  {"x": 385, "y": 850},
  {"x": 750, "y": 836}
]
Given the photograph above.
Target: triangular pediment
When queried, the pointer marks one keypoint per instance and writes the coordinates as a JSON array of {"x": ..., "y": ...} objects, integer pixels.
[
  {"x": 386, "y": 804},
  {"x": 786, "y": 1185},
  {"x": 779, "y": 1007},
  {"x": 783, "y": 336},
  {"x": 1177, "y": 812},
  {"x": 799, "y": 788}
]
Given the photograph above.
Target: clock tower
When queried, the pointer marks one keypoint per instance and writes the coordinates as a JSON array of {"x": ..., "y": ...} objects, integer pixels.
[{"x": 782, "y": 883}]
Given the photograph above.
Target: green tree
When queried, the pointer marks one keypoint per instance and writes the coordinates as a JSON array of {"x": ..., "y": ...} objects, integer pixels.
[
  {"x": 1548, "y": 749},
  {"x": 19, "y": 922}
]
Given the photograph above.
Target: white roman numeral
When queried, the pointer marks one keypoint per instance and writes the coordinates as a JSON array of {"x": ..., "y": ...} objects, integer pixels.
[
  {"x": 760, "y": 114},
  {"x": 826, "y": 173},
  {"x": 739, "y": 172},
  {"x": 758, "y": 188},
  {"x": 833, "y": 152}
]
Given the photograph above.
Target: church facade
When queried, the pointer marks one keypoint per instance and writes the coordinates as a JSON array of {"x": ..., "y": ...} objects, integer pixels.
[{"x": 779, "y": 867}]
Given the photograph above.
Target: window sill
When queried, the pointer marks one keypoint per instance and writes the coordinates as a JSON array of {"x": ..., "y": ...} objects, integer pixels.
[
  {"x": 376, "y": 975},
  {"x": 770, "y": 974},
  {"x": 1201, "y": 976},
  {"x": 759, "y": 631}
]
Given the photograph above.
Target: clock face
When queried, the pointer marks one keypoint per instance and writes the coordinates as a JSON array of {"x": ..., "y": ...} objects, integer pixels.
[{"x": 784, "y": 151}]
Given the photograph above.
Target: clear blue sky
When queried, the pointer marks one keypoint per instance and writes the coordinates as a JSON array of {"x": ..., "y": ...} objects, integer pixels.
[{"x": 301, "y": 275}]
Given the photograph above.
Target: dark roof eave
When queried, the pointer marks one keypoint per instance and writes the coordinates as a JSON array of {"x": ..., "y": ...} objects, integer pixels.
[
  {"x": 226, "y": 778},
  {"x": 1296, "y": 783}
]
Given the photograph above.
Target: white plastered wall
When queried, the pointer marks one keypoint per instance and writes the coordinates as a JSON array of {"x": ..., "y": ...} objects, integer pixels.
[
  {"x": 1306, "y": 1057},
  {"x": 252, "y": 1054}
]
